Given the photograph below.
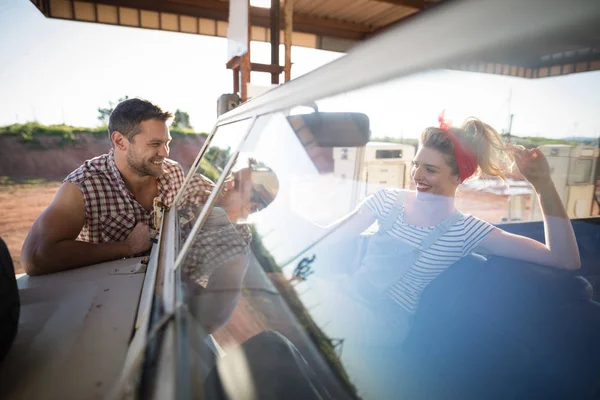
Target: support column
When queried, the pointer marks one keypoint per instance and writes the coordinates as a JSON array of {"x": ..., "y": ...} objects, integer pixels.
[
  {"x": 288, "y": 13},
  {"x": 275, "y": 28},
  {"x": 236, "y": 80},
  {"x": 245, "y": 65}
]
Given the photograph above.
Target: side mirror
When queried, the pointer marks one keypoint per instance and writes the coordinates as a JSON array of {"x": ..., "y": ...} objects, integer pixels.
[{"x": 334, "y": 129}]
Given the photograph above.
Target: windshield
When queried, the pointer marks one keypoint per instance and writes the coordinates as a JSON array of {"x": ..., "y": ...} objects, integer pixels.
[
  {"x": 205, "y": 174},
  {"x": 277, "y": 252}
]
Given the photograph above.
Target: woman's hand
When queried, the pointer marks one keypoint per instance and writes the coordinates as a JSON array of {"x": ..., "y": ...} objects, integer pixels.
[{"x": 533, "y": 165}]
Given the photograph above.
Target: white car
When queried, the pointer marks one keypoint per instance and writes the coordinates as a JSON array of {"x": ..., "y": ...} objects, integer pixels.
[{"x": 232, "y": 305}]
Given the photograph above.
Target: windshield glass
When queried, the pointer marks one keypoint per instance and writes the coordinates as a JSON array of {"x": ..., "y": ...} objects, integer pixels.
[
  {"x": 313, "y": 249},
  {"x": 223, "y": 144}
]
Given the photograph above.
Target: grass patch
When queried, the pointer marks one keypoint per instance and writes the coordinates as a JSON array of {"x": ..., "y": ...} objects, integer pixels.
[
  {"x": 264, "y": 257},
  {"x": 9, "y": 184},
  {"x": 186, "y": 132},
  {"x": 31, "y": 132},
  {"x": 526, "y": 141},
  {"x": 533, "y": 141},
  {"x": 208, "y": 170},
  {"x": 7, "y": 180}
]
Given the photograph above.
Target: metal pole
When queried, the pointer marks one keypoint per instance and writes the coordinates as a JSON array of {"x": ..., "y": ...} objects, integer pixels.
[
  {"x": 236, "y": 80},
  {"x": 596, "y": 197},
  {"x": 509, "y": 127}
]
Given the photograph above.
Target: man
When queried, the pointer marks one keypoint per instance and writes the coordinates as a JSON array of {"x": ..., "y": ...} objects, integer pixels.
[{"x": 103, "y": 210}]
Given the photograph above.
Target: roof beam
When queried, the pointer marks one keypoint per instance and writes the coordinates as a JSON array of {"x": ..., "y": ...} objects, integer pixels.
[
  {"x": 219, "y": 10},
  {"x": 314, "y": 25},
  {"x": 418, "y": 4}
]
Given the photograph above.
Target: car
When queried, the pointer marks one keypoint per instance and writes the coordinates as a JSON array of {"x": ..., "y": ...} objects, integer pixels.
[{"x": 235, "y": 300}]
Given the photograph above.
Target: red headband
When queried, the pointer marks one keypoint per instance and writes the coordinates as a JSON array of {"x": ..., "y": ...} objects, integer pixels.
[{"x": 466, "y": 159}]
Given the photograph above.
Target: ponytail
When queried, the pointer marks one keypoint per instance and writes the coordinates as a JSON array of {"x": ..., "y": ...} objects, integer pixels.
[{"x": 492, "y": 157}]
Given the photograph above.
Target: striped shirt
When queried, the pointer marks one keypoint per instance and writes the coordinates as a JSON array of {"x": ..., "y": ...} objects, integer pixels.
[{"x": 458, "y": 242}]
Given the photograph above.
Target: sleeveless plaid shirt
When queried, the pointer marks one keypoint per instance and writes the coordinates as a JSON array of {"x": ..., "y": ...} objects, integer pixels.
[{"x": 111, "y": 211}]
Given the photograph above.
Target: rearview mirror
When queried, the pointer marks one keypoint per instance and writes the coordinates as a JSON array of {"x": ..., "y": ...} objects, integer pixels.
[{"x": 334, "y": 129}]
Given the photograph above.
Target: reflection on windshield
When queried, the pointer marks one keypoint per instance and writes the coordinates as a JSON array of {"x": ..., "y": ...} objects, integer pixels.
[
  {"x": 224, "y": 236},
  {"x": 321, "y": 157},
  {"x": 282, "y": 263},
  {"x": 206, "y": 173},
  {"x": 217, "y": 259},
  {"x": 231, "y": 275}
]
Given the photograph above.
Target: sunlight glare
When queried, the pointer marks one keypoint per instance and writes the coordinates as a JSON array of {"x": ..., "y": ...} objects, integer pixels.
[{"x": 260, "y": 3}]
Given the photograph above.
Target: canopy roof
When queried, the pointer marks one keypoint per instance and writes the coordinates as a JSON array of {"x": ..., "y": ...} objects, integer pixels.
[
  {"x": 323, "y": 24},
  {"x": 335, "y": 25}
]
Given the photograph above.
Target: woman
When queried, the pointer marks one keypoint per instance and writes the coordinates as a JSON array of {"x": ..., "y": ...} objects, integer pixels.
[{"x": 421, "y": 234}]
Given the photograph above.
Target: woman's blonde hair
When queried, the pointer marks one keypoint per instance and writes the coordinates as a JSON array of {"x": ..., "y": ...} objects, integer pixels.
[{"x": 492, "y": 157}]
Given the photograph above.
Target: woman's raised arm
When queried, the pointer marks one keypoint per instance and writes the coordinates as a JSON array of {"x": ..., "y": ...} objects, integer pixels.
[{"x": 561, "y": 249}]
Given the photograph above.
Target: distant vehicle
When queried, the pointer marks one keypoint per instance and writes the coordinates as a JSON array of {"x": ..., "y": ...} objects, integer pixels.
[{"x": 230, "y": 307}]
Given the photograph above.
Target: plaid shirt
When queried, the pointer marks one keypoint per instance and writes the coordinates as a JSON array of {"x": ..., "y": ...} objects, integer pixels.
[
  {"x": 218, "y": 243},
  {"x": 111, "y": 211}
]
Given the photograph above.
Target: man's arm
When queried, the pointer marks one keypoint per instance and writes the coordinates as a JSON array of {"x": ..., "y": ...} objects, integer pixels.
[{"x": 50, "y": 245}]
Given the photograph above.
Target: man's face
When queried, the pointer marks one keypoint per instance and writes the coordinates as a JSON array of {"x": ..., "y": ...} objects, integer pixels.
[{"x": 148, "y": 149}]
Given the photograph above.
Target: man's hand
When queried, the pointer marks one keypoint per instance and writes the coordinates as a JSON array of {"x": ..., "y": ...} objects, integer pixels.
[{"x": 139, "y": 240}]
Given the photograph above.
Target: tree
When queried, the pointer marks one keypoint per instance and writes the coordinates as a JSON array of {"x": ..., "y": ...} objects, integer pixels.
[
  {"x": 181, "y": 120},
  {"x": 104, "y": 113}
]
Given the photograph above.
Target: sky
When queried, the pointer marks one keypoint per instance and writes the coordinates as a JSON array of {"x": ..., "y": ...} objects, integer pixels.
[
  {"x": 54, "y": 71},
  {"x": 552, "y": 107}
]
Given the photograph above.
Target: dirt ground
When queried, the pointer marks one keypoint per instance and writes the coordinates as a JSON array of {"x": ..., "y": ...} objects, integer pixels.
[
  {"x": 488, "y": 206},
  {"x": 21, "y": 204}
]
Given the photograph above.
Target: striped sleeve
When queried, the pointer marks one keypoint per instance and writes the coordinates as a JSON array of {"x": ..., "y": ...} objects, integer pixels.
[
  {"x": 475, "y": 230},
  {"x": 380, "y": 203}
]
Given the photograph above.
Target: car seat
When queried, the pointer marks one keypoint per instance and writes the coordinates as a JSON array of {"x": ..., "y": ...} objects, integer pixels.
[{"x": 503, "y": 328}]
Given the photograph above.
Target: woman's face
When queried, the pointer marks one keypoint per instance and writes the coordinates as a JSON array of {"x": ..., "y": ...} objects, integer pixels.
[{"x": 432, "y": 175}]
